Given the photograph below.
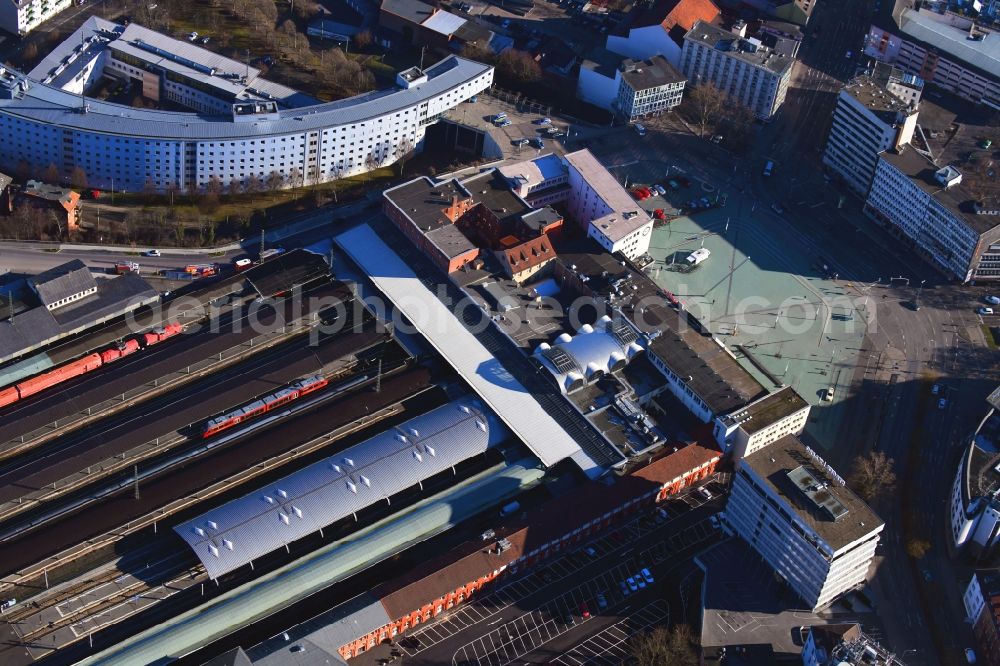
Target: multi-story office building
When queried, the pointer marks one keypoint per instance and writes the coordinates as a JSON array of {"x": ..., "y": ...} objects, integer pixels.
[
  {"x": 629, "y": 88},
  {"x": 599, "y": 205},
  {"x": 799, "y": 516},
  {"x": 950, "y": 50},
  {"x": 982, "y": 610},
  {"x": 256, "y": 137},
  {"x": 765, "y": 420},
  {"x": 975, "y": 494},
  {"x": 869, "y": 119},
  {"x": 19, "y": 17},
  {"x": 954, "y": 226},
  {"x": 648, "y": 87},
  {"x": 746, "y": 70}
]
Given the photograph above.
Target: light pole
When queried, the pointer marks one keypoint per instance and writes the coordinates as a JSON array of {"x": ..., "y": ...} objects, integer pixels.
[{"x": 920, "y": 289}]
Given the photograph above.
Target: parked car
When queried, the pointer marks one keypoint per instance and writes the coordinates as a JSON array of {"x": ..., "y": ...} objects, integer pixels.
[
  {"x": 970, "y": 655},
  {"x": 632, "y": 584},
  {"x": 640, "y": 581},
  {"x": 590, "y": 551},
  {"x": 543, "y": 121},
  {"x": 193, "y": 36},
  {"x": 504, "y": 123},
  {"x": 584, "y": 611},
  {"x": 995, "y": 300},
  {"x": 660, "y": 189},
  {"x": 935, "y": 389},
  {"x": 151, "y": 253},
  {"x": 640, "y": 129},
  {"x": 602, "y": 602},
  {"x": 537, "y": 142},
  {"x": 849, "y": 55},
  {"x": 985, "y": 311},
  {"x": 777, "y": 209},
  {"x": 206, "y": 40},
  {"x": 714, "y": 521},
  {"x": 624, "y": 587},
  {"x": 942, "y": 403},
  {"x": 505, "y": 23},
  {"x": 704, "y": 492},
  {"x": 659, "y": 214},
  {"x": 520, "y": 142},
  {"x": 647, "y": 575},
  {"x": 828, "y": 394}
]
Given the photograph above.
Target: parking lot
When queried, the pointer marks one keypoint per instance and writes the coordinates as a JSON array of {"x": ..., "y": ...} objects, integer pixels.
[
  {"x": 512, "y": 640},
  {"x": 542, "y": 604},
  {"x": 610, "y": 646}
]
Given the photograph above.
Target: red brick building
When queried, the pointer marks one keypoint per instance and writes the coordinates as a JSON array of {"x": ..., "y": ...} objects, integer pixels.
[{"x": 558, "y": 525}]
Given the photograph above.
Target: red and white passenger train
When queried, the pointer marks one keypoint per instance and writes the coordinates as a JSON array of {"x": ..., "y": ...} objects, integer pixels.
[{"x": 265, "y": 404}]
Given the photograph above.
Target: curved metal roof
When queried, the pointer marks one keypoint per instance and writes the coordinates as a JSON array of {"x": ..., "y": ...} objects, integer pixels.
[
  {"x": 47, "y": 104},
  {"x": 316, "y": 496},
  {"x": 600, "y": 347}
]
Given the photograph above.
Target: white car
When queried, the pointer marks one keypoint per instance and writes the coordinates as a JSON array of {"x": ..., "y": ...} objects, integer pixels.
[
  {"x": 985, "y": 311},
  {"x": 193, "y": 36},
  {"x": 151, "y": 253},
  {"x": 704, "y": 492},
  {"x": 994, "y": 300},
  {"x": 828, "y": 395}
]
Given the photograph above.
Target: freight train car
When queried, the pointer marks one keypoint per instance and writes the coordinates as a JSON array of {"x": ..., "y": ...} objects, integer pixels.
[
  {"x": 59, "y": 375},
  {"x": 267, "y": 403},
  {"x": 119, "y": 351},
  {"x": 88, "y": 363},
  {"x": 160, "y": 333}
]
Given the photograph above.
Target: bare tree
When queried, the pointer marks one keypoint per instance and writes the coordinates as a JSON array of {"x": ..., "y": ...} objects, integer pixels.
[
  {"x": 51, "y": 174},
  {"x": 403, "y": 150},
  {"x": 362, "y": 40},
  {"x": 873, "y": 475},
  {"x": 78, "y": 178},
  {"x": 707, "y": 103},
  {"x": 917, "y": 548},
  {"x": 665, "y": 647},
  {"x": 518, "y": 66},
  {"x": 371, "y": 163},
  {"x": 214, "y": 186},
  {"x": 275, "y": 181},
  {"x": 295, "y": 177},
  {"x": 234, "y": 187},
  {"x": 253, "y": 186}
]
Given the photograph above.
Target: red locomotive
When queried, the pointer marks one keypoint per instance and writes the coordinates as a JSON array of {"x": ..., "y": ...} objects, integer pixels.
[
  {"x": 88, "y": 363},
  {"x": 267, "y": 403}
]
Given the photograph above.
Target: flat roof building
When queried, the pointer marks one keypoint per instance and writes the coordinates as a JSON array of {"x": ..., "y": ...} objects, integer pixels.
[
  {"x": 599, "y": 205},
  {"x": 242, "y": 131},
  {"x": 869, "y": 118},
  {"x": 794, "y": 510},
  {"x": 954, "y": 51},
  {"x": 950, "y": 213},
  {"x": 749, "y": 72},
  {"x": 975, "y": 493}
]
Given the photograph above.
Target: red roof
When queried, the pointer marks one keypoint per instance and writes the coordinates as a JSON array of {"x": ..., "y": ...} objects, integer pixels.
[
  {"x": 676, "y": 16},
  {"x": 676, "y": 465},
  {"x": 549, "y": 522},
  {"x": 529, "y": 254}
]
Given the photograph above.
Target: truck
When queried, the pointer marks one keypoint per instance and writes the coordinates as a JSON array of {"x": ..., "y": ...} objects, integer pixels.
[{"x": 123, "y": 267}]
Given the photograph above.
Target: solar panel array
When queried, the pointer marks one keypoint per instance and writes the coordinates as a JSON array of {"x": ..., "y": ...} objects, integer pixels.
[{"x": 563, "y": 362}]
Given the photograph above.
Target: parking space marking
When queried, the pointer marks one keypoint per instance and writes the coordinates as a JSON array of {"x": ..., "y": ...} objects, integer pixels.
[{"x": 611, "y": 641}]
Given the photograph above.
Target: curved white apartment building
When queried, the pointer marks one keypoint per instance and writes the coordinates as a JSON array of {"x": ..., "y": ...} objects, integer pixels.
[{"x": 44, "y": 122}]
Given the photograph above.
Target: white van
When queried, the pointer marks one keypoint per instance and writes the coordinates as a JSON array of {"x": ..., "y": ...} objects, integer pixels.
[
  {"x": 768, "y": 167},
  {"x": 640, "y": 129}
]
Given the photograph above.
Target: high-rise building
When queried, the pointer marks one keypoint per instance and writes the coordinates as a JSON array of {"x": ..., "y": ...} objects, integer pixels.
[
  {"x": 749, "y": 72},
  {"x": 20, "y": 17},
  {"x": 794, "y": 510},
  {"x": 951, "y": 220},
  {"x": 870, "y": 118}
]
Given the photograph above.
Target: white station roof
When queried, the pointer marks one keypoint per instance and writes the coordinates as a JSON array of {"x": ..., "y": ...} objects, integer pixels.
[
  {"x": 504, "y": 394},
  {"x": 312, "y": 498}
]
